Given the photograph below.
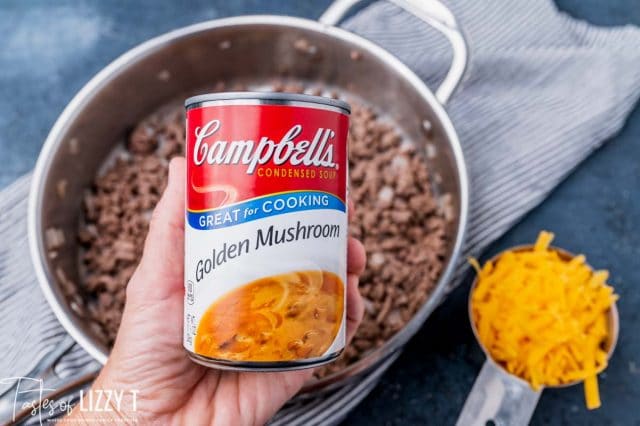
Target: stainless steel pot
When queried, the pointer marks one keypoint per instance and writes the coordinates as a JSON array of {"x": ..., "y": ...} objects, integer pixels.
[{"x": 252, "y": 50}]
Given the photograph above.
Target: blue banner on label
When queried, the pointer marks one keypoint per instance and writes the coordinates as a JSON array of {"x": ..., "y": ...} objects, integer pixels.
[{"x": 258, "y": 208}]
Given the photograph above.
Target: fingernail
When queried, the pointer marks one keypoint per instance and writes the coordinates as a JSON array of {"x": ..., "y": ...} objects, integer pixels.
[{"x": 171, "y": 172}]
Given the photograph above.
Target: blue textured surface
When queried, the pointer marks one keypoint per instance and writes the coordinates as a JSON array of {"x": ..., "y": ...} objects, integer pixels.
[{"x": 49, "y": 50}]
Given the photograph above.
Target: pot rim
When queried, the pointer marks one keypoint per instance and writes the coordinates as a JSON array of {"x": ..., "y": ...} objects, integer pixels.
[{"x": 75, "y": 107}]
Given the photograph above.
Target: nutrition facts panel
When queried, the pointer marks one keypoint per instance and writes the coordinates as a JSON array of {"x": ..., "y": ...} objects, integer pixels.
[{"x": 189, "y": 328}]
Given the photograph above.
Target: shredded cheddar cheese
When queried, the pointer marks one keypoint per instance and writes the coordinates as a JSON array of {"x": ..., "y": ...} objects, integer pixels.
[{"x": 544, "y": 318}]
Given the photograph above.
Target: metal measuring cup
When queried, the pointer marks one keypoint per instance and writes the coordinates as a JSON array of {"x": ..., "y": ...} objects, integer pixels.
[{"x": 501, "y": 398}]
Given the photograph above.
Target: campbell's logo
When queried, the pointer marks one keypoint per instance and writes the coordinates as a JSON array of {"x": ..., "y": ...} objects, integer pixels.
[{"x": 317, "y": 152}]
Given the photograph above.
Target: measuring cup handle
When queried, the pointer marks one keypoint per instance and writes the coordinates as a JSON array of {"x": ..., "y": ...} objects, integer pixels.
[
  {"x": 499, "y": 398},
  {"x": 435, "y": 14}
]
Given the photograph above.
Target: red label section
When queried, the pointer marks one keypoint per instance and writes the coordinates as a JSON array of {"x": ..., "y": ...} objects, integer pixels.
[{"x": 238, "y": 152}]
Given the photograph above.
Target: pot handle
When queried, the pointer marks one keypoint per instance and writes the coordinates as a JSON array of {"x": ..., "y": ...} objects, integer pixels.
[
  {"x": 498, "y": 398},
  {"x": 438, "y": 16}
]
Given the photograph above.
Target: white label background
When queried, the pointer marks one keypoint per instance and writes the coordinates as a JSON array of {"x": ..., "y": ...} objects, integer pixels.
[{"x": 327, "y": 254}]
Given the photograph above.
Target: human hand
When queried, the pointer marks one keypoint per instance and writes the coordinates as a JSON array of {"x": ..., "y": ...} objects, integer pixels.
[{"x": 148, "y": 355}]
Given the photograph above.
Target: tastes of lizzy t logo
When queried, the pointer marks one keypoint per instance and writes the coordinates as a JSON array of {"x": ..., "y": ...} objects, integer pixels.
[
  {"x": 318, "y": 152},
  {"x": 28, "y": 403}
]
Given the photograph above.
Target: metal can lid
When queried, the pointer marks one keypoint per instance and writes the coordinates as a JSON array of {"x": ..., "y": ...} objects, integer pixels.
[{"x": 277, "y": 98}]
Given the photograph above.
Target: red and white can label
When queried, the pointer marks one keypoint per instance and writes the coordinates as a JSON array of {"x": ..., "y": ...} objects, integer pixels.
[{"x": 265, "y": 232}]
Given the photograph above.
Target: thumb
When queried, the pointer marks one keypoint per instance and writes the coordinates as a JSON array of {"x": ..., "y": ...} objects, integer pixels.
[{"x": 160, "y": 273}]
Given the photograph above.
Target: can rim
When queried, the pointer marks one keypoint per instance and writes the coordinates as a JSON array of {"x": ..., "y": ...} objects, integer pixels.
[{"x": 279, "y": 97}]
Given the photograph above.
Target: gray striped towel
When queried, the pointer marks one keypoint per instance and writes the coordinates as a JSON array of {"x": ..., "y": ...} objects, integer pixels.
[{"x": 543, "y": 92}]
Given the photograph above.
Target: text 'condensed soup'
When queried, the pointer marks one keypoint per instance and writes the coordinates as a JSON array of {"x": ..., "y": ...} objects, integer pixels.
[{"x": 266, "y": 230}]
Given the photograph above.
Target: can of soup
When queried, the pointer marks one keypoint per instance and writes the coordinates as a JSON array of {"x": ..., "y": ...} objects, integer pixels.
[{"x": 265, "y": 230}]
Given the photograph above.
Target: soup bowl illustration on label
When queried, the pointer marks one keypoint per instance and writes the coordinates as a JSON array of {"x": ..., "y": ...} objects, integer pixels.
[
  {"x": 266, "y": 230},
  {"x": 284, "y": 317}
]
